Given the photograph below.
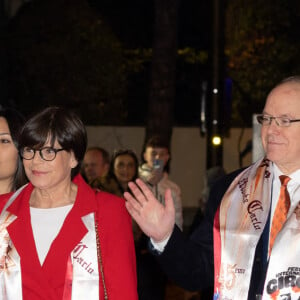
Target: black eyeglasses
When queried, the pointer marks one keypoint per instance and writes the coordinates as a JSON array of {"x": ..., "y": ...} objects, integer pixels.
[
  {"x": 46, "y": 153},
  {"x": 280, "y": 121}
]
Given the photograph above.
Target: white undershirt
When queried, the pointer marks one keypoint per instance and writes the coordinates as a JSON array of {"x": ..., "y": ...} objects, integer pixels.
[{"x": 46, "y": 224}]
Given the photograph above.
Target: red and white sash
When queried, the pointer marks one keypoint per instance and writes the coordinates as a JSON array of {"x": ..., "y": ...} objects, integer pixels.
[
  {"x": 82, "y": 276},
  {"x": 238, "y": 225}
]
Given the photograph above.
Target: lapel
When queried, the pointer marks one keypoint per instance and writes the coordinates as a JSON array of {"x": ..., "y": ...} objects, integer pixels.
[
  {"x": 52, "y": 273},
  {"x": 71, "y": 233},
  {"x": 21, "y": 235}
]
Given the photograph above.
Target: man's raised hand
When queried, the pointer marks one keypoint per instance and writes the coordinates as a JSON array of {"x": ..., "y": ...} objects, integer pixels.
[{"x": 155, "y": 219}]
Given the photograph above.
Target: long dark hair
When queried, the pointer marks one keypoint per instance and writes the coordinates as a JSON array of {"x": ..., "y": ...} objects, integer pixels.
[
  {"x": 111, "y": 173},
  {"x": 15, "y": 121}
]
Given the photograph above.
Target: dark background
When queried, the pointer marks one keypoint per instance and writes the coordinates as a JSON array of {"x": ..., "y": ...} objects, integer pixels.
[{"x": 95, "y": 56}]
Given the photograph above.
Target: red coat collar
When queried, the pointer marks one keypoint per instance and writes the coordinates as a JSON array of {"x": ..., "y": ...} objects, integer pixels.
[
  {"x": 81, "y": 205},
  {"x": 52, "y": 273}
]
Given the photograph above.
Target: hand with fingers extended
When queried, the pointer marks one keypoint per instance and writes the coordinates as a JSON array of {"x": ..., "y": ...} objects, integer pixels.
[{"x": 155, "y": 219}]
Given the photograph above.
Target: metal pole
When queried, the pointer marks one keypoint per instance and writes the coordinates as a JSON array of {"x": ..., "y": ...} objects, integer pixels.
[{"x": 216, "y": 89}]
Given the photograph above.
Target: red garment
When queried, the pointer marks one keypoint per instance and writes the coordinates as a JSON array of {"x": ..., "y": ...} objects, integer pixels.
[
  {"x": 46, "y": 282},
  {"x": 3, "y": 199}
]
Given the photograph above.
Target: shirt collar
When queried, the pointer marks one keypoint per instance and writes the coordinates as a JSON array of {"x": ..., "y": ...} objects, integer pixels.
[{"x": 295, "y": 176}]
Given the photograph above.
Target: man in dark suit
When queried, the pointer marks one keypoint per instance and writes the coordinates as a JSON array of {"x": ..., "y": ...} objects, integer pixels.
[{"x": 235, "y": 248}]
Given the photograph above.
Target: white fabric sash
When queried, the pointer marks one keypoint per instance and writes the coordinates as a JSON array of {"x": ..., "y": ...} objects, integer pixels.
[
  {"x": 82, "y": 278},
  {"x": 85, "y": 279},
  {"x": 238, "y": 226},
  {"x": 10, "y": 269},
  {"x": 283, "y": 276}
]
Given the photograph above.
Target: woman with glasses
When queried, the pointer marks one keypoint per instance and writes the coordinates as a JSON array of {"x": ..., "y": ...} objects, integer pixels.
[
  {"x": 57, "y": 240},
  {"x": 12, "y": 174}
]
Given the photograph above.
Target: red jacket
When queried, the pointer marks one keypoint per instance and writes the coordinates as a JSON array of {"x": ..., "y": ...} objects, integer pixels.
[
  {"x": 3, "y": 199},
  {"x": 46, "y": 282}
]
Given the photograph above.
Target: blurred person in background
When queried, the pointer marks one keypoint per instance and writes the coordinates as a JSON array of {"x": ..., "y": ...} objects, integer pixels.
[
  {"x": 211, "y": 176},
  {"x": 122, "y": 169},
  {"x": 154, "y": 171},
  {"x": 95, "y": 163}
]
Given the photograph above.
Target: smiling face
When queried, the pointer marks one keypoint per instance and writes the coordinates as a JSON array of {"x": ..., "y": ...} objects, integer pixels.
[
  {"x": 282, "y": 144},
  {"x": 124, "y": 168},
  {"x": 8, "y": 157},
  {"x": 49, "y": 175}
]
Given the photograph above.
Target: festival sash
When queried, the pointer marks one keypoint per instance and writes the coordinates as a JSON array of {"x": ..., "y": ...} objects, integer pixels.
[
  {"x": 10, "y": 268},
  {"x": 82, "y": 275},
  {"x": 82, "y": 267},
  {"x": 238, "y": 225},
  {"x": 283, "y": 276}
]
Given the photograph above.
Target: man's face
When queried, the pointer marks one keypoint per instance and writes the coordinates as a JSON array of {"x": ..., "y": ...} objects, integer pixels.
[
  {"x": 282, "y": 144},
  {"x": 152, "y": 154},
  {"x": 93, "y": 165}
]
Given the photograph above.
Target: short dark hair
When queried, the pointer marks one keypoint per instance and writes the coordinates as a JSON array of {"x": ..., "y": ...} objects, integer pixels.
[
  {"x": 103, "y": 152},
  {"x": 157, "y": 141},
  {"x": 15, "y": 120},
  {"x": 59, "y": 124}
]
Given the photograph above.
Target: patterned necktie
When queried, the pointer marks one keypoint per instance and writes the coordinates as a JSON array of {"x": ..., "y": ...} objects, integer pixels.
[{"x": 281, "y": 210}]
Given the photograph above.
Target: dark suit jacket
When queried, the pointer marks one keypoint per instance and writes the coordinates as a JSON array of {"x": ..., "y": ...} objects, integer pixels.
[{"x": 189, "y": 262}]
